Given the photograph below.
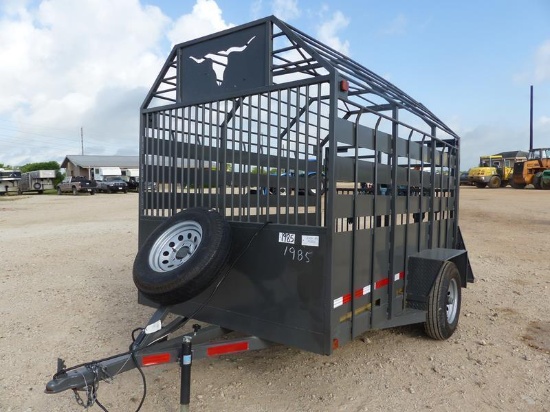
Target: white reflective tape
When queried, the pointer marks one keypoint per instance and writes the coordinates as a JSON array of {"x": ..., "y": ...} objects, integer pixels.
[
  {"x": 366, "y": 290},
  {"x": 338, "y": 302},
  {"x": 396, "y": 277}
]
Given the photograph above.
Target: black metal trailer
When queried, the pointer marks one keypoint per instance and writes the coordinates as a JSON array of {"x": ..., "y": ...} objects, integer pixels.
[{"x": 299, "y": 199}]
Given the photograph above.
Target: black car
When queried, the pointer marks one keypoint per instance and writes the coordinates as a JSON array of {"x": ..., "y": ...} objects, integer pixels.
[{"x": 112, "y": 184}]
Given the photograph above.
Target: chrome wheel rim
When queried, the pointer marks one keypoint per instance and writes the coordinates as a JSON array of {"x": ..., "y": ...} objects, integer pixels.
[
  {"x": 452, "y": 301},
  {"x": 175, "y": 246}
]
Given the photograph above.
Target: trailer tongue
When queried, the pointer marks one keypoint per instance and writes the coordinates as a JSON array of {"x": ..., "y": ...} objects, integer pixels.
[
  {"x": 153, "y": 346},
  {"x": 283, "y": 196}
]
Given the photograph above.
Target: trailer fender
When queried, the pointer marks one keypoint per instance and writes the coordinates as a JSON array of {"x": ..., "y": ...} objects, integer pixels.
[
  {"x": 423, "y": 269},
  {"x": 183, "y": 256}
]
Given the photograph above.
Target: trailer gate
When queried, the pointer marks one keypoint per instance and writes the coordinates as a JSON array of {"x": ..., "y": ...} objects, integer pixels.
[{"x": 266, "y": 124}]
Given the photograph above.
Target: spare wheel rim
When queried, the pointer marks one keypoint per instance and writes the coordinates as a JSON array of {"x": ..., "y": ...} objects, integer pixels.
[{"x": 175, "y": 246}]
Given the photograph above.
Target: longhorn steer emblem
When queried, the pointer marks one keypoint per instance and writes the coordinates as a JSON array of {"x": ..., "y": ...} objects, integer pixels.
[{"x": 220, "y": 59}]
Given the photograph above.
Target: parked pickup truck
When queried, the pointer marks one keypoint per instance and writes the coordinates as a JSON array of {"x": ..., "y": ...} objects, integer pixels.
[{"x": 76, "y": 184}]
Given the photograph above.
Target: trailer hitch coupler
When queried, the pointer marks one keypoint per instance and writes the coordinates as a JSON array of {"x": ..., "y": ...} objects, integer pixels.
[{"x": 185, "y": 384}]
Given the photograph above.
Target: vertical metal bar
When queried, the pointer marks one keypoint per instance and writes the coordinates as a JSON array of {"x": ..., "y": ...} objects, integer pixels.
[
  {"x": 306, "y": 149},
  {"x": 288, "y": 188},
  {"x": 268, "y": 129},
  {"x": 250, "y": 149},
  {"x": 319, "y": 157},
  {"x": 393, "y": 215},
  {"x": 173, "y": 161},
  {"x": 297, "y": 156},
  {"x": 374, "y": 216},
  {"x": 241, "y": 165},
  {"x": 164, "y": 163},
  {"x": 279, "y": 154},
  {"x": 220, "y": 154}
]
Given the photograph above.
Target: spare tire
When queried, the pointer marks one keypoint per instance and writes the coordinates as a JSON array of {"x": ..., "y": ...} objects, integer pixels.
[{"x": 183, "y": 256}]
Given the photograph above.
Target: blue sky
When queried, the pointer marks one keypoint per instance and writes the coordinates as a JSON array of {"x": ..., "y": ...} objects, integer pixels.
[{"x": 88, "y": 64}]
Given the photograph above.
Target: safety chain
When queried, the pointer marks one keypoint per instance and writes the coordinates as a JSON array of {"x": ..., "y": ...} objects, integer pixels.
[{"x": 91, "y": 390}]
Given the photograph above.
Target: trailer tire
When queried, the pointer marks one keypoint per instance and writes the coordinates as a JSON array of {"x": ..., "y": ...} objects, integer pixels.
[
  {"x": 37, "y": 186},
  {"x": 183, "y": 256},
  {"x": 444, "y": 303}
]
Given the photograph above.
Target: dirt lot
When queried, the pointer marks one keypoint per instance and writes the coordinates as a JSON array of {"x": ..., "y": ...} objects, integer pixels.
[{"x": 66, "y": 290}]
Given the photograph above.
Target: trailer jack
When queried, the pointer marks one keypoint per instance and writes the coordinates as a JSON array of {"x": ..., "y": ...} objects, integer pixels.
[{"x": 153, "y": 346}]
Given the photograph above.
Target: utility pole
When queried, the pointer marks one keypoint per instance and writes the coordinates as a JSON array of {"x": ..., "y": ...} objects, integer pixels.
[
  {"x": 82, "y": 139},
  {"x": 531, "y": 121}
]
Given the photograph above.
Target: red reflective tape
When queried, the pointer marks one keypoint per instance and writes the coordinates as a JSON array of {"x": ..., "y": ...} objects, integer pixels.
[
  {"x": 347, "y": 298},
  {"x": 381, "y": 283},
  {"x": 401, "y": 275},
  {"x": 359, "y": 293},
  {"x": 227, "y": 348},
  {"x": 157, "y": 359}
]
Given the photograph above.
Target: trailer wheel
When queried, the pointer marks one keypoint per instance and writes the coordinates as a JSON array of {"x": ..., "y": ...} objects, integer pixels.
[
  {"x": 183, "y": 256},
  {"x": 444, "y": 303},
  {"x": 37, "y": 186}
]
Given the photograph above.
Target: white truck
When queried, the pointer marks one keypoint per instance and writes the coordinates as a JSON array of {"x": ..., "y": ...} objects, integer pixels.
[{"x": 36, "y": 181}]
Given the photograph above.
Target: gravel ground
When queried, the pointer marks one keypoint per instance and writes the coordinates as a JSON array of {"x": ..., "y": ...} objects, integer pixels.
[{"x": 67, "y": 291}]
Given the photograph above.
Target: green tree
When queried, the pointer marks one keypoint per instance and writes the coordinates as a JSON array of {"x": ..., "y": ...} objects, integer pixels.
[{"x": 29, "y": 167}]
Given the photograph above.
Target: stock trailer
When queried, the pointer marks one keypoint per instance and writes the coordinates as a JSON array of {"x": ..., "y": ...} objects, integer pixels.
[{"x": 291, "y": 195}]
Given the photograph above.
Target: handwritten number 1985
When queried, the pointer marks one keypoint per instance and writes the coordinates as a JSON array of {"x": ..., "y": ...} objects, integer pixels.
[{"x": 299, "y": 255}]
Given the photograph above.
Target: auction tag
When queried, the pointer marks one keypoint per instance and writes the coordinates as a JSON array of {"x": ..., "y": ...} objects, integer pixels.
[
  {"x": 310, "y": 240},
  {"x": 287, "y": 238}
]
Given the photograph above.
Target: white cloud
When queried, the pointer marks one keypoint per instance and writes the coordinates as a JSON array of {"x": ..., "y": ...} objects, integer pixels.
[
  {"x": 286, "y": 9},
  {"x": 542, "y": 62},
  {"x": 205, "y": 18},
  {"x": 327, "y": 32},
  {"x": 61, "y": 54},
  {"x": 67, "y": 64}
]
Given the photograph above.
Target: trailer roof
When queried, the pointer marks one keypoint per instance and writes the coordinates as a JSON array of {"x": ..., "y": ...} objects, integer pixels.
[{"x": 289, "y": 55}]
